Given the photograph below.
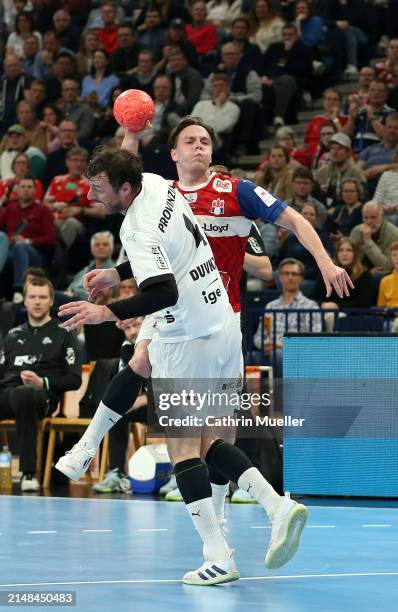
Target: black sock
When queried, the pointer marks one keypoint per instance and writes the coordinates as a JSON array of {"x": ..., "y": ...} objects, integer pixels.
[
  {"x": 192, "y": 480},
  {"x": 123, "y": 390},
  {"x": 216, "y": 477},
  {"x": 228, "y": 460}
]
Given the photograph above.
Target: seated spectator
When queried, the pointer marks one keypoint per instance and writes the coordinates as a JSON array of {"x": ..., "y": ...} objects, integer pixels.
[
  {"x": 27, "y": 234},
  {"x": 374, "y": 237},
  {"x": 341, "y": 166},
  {"x": 100, "y": 81},
  {"x": 152, "y": 34},
  {"x": 12, "y": 85},
  {"x": 47, "y": 56},
  {"x": 286, "y": 137},
  {"x": 286, "y": 66},
  {"x": 52, "y": 117},
  {"x": 78, "y": 112},
  {"x": 386, "y": 67},
  {"x": 143, "y": 75},
  {"x": 67, "y": 198},
  {"x": 108, "y": 33},
  {"x": 388, "y": 288},
  {"x": 40, "y": 362},
  {"x": 360, "y": 97},
  {"x": 34, "y": 132},
  {"x": 380, "y": 157},
  {"x": 277, "y": 175},
  {"x": 245, "y": 88},
  {"x": 265, "y": 25},
  {"x": 187, "y": 82},
  {"x": 9, "y": 187},
  {"x": 16, "y": 142},
  {"x": 67, "y": 34},
  {"x": 95, "y": 19},
  {"x": 291, "y": 274},
  {"x": 219, "y": 112},
  {"x": 201, "y": 33},
  {"x": 386, "y": 192},
  {"x": 63, "y": 67},
  {"x": 31, "y": 48},
  {"x": 302, "y": 184},
  {"x": 320, "y": 155},
  {"x": 222, "y": 13},
  {"x": 36, "y": 95},
  {"x": 125, "y": 57},
  {"x": 107, "y": 126},
  {"x": 251, "y": 53},
  {"x": 366, "y": 124},
  {"x": 166, "y": 112},
  {"x": 56, "y": 161},
  {"x": 309, "y": 26},
  {"x": 24, "y": 27},
  {"x": 176, "y": 38},
  {"x": 332, "y": 103},
  {"x": 89, "y": 43},
  {"x": 350, "y": 214}
]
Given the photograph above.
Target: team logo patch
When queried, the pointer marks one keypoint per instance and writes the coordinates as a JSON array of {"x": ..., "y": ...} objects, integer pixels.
[
  {"x": 21, "y": 360},
  {"x": 191, "y": 197},
  {"x": 47, "y": 340},
  {"x": 222, "y": 186},
  {"x": 70, "y": 356},
  {"x": 159, "y": 258},
  {"x": 217, "y": 207},
  {"x": 265, "y": 196},
  {"x": 255, "y": 245}
]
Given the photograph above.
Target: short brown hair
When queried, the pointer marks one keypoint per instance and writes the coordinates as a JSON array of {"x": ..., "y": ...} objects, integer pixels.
[
  {"x": 393, "y": 246},
  {"x": 291, "y": 261},
  {"x": 186, "y": 122},
  {"x": 39, "y": 282},
  {"x": 119, "y": 165}
]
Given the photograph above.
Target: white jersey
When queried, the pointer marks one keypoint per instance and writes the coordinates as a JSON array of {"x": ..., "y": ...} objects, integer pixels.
[{"x": 162, "y": 240}]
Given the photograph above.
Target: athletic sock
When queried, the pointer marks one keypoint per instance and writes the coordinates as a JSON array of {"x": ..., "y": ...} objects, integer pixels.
[
  {"x": 194, "y": 486},
  {"x": 103, "y": 420},
  {"x": 234, "y": 464},
  {"x": 219, "y": 487}
]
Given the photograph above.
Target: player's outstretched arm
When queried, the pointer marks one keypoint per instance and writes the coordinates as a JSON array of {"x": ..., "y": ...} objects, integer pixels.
[
  {"x": 334, "y": 277},
  {"x": 98, "y": 280}
]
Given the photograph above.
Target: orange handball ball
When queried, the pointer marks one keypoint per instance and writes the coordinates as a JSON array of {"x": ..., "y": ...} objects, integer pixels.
[{"x": 133, "y": 108}]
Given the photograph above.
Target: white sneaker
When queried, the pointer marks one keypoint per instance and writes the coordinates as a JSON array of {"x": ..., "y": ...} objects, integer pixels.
[
  {"x": 286, "y": 527},
  {"x": 213, "y": 572},
  {"x": 76, "y": 461},
  {"x": 242, "y": 497},
  {"x": 29, "y": 484},
  {"x": 170, "y": 485},
  {"x": 174, "y": 495}
]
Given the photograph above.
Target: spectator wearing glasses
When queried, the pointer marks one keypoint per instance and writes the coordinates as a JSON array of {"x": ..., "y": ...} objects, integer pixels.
[{"x": 9, "y": 187}]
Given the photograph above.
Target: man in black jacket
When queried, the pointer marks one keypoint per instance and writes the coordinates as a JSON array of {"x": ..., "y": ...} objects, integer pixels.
[{"x": 40, "y": 361}]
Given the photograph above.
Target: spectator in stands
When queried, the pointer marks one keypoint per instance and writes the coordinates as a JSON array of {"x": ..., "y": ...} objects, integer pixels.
[
  {"x": 27, "y": 234},
  {"x": 187, "y": 82},
  {"x": 12, "y": 85},
  {"x": 388, "y": 289},
  {"x": 106, "y": 125},
  {"x": 309, "y": 26},
  {"x": 265, "y": 25},
  {"x": 45, "y": 58},
  {"x": 52, "y": 117},
  {"x": 219, "y": 112},
  {"x": 350, "y": 214},
  {"x": 40, "y": 362},
  {"x": 386, "y": 193},
  {"x": 393, "y": 90},
  {"x": 366, "y": 124},
  {"x": 67, "y": 34},
  {"x": 108, "y": 33},
  {"x": 36, "y": 95},
  {"x": 341, "y": 166},
  {"x": 380, "y": 157},
  {"x": 125, "y": 57},
  {"x": 251, "y": 53},
  {"x": 277, "y": 175},
  {"x": 24, "y": 26},
  {"x": 152, "y": 34},
  {"x": 360, "y": 97},
  {"x": 201, "y": 33},
  {"x": 302, "y": 184},
  {"x": 31, "y": 48},
  {"x": 386, "y": 67},
  {"x": 16, "y": 142},
  {"x": 291, "y": 274},
  {"x": 21, "y": 169},
  {"x": 374, "y": 237},
  {"x": 84, "y": 57},
  {"x": 34, "y": 132},
  {"x": 361, "y": 296},
  {"x": 63, "y": 68},
  {"x": 76, "y": 111},
  {"x": 288, "y": 65},
  {"x": 166, "y": 112},
  {"x": 115, "y": 480},
  {"x": 222, "y": 13},
  {"x": 143, "y": 75},
  {"x": 332, "y": 103},
  {"x": 176, "y": 38},
  {"x": 100, "y": 82},
  {"x": 55, "y": 163},
  {"x": 67, "y": 198}
]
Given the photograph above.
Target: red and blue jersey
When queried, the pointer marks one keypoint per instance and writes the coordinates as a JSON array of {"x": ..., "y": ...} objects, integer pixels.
[{"x": 226, "y": 208}]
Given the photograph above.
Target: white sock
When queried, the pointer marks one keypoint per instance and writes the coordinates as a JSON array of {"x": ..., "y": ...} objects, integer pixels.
[
  {"x": 103, "y": 420},
  {"x": 218, "y": 495},
  {"x": 205, "y": 521},
  {"x": 255, "y": 484}
]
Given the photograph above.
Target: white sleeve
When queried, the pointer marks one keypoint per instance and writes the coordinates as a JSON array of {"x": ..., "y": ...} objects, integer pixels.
[{"x": 147, "y": 256}]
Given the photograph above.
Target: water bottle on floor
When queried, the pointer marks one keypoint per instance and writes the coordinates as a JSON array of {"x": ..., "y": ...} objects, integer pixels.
[{"x": 5, "y": 470}]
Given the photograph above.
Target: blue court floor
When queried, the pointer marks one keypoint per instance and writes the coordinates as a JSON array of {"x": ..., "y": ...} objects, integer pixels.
[{"x": 130, "y": 555}]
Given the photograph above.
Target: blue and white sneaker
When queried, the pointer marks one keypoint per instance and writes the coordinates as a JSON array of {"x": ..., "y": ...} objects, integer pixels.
[
  {"x": 213, "y": 572},
  {"x": 76, "y": 461},
  {"x": 286, "y": 528},
  {"x": 170, "y": 485},
  {"x": 114, "y": 482},
  {"x": 174, "y": 495},
  {"x": 240, "y": 496}
]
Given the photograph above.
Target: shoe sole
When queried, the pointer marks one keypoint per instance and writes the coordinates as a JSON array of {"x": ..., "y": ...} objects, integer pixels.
[
  {"x": 173, "y": 499},
  {"x": 68, "y": 471},
  {"x": 244, "y": 501},
  {"x": 291, "y": 541},
  {"x": 229, "y": 577}
]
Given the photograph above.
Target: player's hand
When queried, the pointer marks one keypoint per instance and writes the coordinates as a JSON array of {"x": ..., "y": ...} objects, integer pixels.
[
  {"x": 336, "y": 278},
  {"x": 98, "y": 280},
  {"x": 84, "y": 313},
  {"x": 31, "y": 378},
  {"x": 125, "y": 323}
]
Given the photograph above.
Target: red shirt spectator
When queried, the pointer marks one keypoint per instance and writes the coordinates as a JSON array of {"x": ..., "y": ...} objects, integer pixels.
[
  {"x": 8, "y": 189},
  {"x": 108, "y": 34},
  {"x": 332, "y": 102},
  {"x": 201, "y": 34},
  {"x": 32, "y": 221}
]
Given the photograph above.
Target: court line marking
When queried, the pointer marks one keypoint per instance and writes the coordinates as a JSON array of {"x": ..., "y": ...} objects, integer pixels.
[
  {"x": 151, "y": 529},
  {"x": 308, "y": 526},
  {"x": 375, "y": 525},
  {"x": 39, "y": 532},
  {"x": 97, "y": 530},
  {"x": 174, "y": 580}
]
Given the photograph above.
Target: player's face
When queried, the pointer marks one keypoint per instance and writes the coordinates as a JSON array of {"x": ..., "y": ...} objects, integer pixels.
[
  {"x": 114, "y": 201},
  {"x": 38, "y": 301},
  {"x": 193, "y": 150}
]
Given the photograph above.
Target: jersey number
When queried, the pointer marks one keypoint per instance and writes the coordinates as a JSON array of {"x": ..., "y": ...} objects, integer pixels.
[{"x": 195, "y": 231}]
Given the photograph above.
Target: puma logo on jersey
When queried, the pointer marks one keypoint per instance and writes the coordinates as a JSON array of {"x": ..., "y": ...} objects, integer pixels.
[
  {"x": 168, "y": 209},
  {"x": 195, "y": 513},
  {"x": 212, "y": 227},
  {"x": 203, "y": 269}
]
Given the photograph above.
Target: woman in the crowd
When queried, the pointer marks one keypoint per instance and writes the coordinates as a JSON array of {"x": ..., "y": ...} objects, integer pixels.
[
  {"x": 21, "y": 169},
  {"x": 276, "y": 175},
  {"x": 309, "y": 25},
  {"x": 100, "y": 82},
  {"x": 24, "y": 27},
  {"x": 265, "y": 25},
  {"x": 52, "y": 117},
  {"x": 350, "y": 214},
  {"x": 90, "y": 43}
]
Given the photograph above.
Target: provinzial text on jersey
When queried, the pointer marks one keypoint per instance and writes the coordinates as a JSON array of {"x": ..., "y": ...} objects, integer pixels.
[{"x": 168, "y": 209}]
